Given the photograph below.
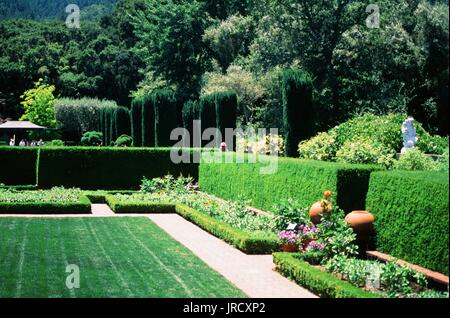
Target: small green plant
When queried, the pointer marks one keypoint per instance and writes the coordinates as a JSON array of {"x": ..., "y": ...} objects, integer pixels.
[
  {"x": 55, "y": 143},
  {"x": 415, "y": 159},
  {"x": 124, "y": 141},
  {"x": 290, "y": 212},
  {"x": 92, "y": 138},
  {"x": 166, "y": 184},
  {"x": 397, "y": 279}
]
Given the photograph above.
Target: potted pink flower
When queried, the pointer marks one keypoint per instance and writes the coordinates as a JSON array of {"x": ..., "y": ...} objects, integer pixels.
[
  {"x": 307, "y": 234},
  {"x": 290, "y": 242}
]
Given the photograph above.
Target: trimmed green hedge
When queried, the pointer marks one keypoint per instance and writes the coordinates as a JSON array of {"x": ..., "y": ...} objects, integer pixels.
[
  {"x": 250, "y": 243},
  {"x": 321, "y": 283},
  {"x": 106, "y": 168},
  {"x": 81, "y": 207},
  {"x": 302, "y": 180},
  {"x": 18, "y": 165},
  {"x": 411, "y": 212}
]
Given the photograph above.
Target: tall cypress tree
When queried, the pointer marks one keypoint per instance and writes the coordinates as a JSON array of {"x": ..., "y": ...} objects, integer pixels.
[
  {"x": 136, "y": 118},
  {"x": 165, "y": 117},
  {"x": 207, "y": 114},
  {"x": 148, "y": 121},
  {"x": 123, "y": 122},
  {"x": 297, "y": 108},
  {"x": 226, "y": 111}
]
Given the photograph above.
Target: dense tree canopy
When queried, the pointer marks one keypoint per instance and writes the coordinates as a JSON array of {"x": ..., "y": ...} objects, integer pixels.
[{"x": 199, "y": 47}]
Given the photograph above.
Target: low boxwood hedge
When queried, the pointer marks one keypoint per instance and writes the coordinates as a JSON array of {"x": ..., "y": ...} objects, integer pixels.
[
  {"x": 321, "y": 283},
  {"x": 249, "y": 243},
  {"x": 81, "y": 207},
  {"x": 106, "y": 168},
  {"x": 18, "y": 165},
  {"x": 302, "y": 180},
  {"x": 411, "y": 216}
]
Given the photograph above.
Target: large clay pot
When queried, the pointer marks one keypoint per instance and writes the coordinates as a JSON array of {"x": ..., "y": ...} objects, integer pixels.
[
  {"x": 361, "y": 222},
  {"x": 315, "y": 213},
  {"x": 290, "y": 248}
]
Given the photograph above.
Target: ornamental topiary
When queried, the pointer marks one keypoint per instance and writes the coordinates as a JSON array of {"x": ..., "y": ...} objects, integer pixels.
[
  {"x": 92, "y": 138},
  {"x": 321, "y": 147},
  {"x": 414, "y": 160},
  {"x": 363, "y": 151},
  {"x": 124, "y": 141}
]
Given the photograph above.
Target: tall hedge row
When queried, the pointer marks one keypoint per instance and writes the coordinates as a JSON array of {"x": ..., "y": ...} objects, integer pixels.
[
  {"x": 207, "y": 114},
  {"x": 304, "y": 181},
  {"x": 297, "y": 108},
  {"x": 106, "y": 168},
  {"x": 165, "y": 106},
  {"x": 148, "y": 121},
  {"x": 18, "y": 166},
  {"x": 412, "y": 215},
  {"x": 136, "y": 121}
]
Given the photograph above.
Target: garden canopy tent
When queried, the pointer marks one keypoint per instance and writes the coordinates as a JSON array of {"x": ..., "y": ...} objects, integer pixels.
[{"x": 20, "y": 125}]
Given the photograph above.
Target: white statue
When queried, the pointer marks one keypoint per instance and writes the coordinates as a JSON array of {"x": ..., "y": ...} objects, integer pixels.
[{"x": 409, "y": 135}]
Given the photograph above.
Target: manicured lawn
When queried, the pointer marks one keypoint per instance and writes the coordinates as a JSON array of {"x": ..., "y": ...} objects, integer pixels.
[{"x": 117, "y": 257}]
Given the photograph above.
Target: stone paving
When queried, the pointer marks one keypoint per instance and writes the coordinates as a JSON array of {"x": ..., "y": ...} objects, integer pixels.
[{"x": 253, "y": 274}]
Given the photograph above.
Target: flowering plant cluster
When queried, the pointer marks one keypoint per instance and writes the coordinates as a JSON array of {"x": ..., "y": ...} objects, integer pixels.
[
  {"x": 308, "y": 232},
  {"x": 288, "y": 237},
  {"x": 315, "y": 246}
]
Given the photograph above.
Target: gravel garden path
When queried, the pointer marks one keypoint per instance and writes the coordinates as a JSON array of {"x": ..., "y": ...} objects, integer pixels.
[{"x": 253, "y": 274}]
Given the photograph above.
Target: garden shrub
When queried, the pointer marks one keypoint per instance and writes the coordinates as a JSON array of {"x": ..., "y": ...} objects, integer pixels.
[
  {"x": 136, "y": 121},
  {"x": 323, "y": 284},
  {"x": 113, "y": 127},
  {"x": 297, "y": 108},
  {"x": 106, "y": 168},
  {"x": 18, "y": 166},
  {"x": 123, "y": 141},
  {"x": 415, "y": 159},
  {"x": 321, "y": 147},
  {"x": 189, "y": 114},
  {"x": 302, "y": 180},
  {"x": 54, "y": 143},
  {"x": 165, "y": 117},
  {"x": 363, "y": 151},
  {"x": 148, "y": 121},
  {"x": 78, "y": 116},
  {"x": 411, "y": 216},
  {"x": 92, "y": 138}
]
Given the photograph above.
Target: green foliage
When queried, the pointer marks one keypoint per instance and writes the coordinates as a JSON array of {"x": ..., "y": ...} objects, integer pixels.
[
  {"x": 190, "y": 112},
  {"x": 148, "y": 121},
  {"x": 411, "y": 216},
  {"x": 319, "y": 282},
  {"x": 297, "y": 108},
  {"x": 55, "y": 143},
  {"x": 290, "y": 212},
  {"x": 92, "y": 138},
  {"x": 106, "y": 168},
  {"x": 136, "y": 121},
  {"x": 226, "y": 111},
  {"x": 168, "y": 183},
  {"x": 123, "y": 141},
  {"x": 165, "y": 117},
  {"x": 301, "y": 180},
  {"x": 18, "y": 165},
  {"x": 78, "y": 116},
  {"x": 321, "y": 147},
  {"x": 39, "y": 104},
  {"x": 415, "y": 159},
  {"x": 54, "y": 201},
  {"x": 207, "y": 108},
  {"x": 123, "y": 122},
  {"x": 364, "y": 152}
]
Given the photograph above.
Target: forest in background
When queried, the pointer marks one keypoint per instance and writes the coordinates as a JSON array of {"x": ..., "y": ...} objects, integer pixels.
[{"x": 196, "y": 48}]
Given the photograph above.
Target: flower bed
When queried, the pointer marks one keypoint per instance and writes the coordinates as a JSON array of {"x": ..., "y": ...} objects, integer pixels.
[{"x": 54, "y": 201}]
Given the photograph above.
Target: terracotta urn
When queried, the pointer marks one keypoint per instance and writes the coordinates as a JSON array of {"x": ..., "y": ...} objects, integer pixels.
[
  {"x": 315, "y": 213},
  {"x": 290, "y": 248},
  {"x": 361, "y": 222}
]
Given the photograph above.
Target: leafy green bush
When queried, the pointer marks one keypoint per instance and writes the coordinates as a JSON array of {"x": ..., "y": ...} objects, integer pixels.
[
  {"x": 297, "y": 108},
  {"x": 106, "y": 168},
  {"x": 415, "y": 159},
  {"x": 363, "y": 151},
  {"x": 411, "y": 216},
  {"x": 123, "y": 141},
  {"x": 168, "y": 183},
  {"x": 18, "y": 165},
  {"x": 302, "y": 180},
  {"x": 443, "y": 164},
  {"x": 92, "y": 138},
  {"x": 323, "y": 284},
  {"x": 54, "y": 143},
  {"x": 321, "y": 147}
]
